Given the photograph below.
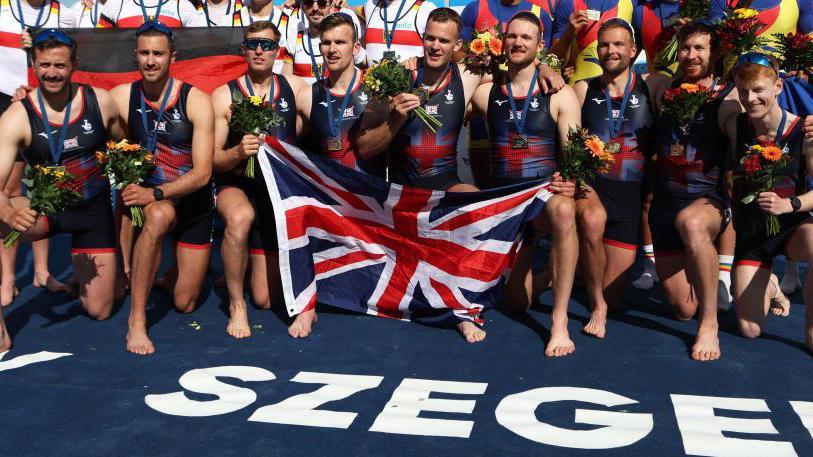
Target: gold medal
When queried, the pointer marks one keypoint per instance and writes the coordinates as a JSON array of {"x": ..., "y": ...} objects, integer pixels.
[
  {"x": 677, "y": 150},
  {"x": 334, "y": 144},
  {"x": 519, "y": 142}
]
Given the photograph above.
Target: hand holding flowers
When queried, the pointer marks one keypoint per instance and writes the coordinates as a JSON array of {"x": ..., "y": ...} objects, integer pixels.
[
  {"x": 126, "y": 164},
  {"x": 387, "y": 80},
  {"x": 583, "y": 157},
  {"x": 252, "y": 116},
  {"x": 761, "y": 170}
]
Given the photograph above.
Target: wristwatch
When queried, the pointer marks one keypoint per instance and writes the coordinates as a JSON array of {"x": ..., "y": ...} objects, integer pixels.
[
  {"x": 157, "y": 194},
  {"x": 795, "y": 203}
]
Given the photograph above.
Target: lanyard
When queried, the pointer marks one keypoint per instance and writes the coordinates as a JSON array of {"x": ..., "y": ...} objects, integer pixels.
[
  {"x": 39, "y": 15},
  {"x": 251, "y": 19},
  {"x": 780, "y": 132},
  {"x": 333, "y": 123},
  {"x": 317, "y": 70},
  {"x": 419, "y": 78},
  {"x": 615, "y": 124},
  {"x": 390, "y": 35},
  {"x": 209, "y": 22},
  {"x": 152, "y": 136},
  {"x": 521, "y": 126},
  {"x": 251, "y": 89},
  {"x": 56, "y": 149},
  {"x": 144, "y": 10},
  {"x": 94, "y": 13}
]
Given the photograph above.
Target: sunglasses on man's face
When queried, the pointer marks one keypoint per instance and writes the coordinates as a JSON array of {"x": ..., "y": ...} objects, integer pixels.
[
  {"x": 320, "y": 3},
  {"x": 263, "y": 43}
]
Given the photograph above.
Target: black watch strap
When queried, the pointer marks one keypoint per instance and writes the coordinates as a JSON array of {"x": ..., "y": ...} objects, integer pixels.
[
  {"x": 795, "y": 203},
  {"x": 157, "y": 193}
]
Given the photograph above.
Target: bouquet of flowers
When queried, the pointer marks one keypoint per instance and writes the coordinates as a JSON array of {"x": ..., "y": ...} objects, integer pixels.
[
  {"x": 684, "y": 101},
  {"x": 48, "y": 191},
  {"x": 584, "y": 156},
  {"x": 386, "y": 79},
  {"x": 761, "y": 167},
  {"x": 483, "y": 54},
  {"x": 689, "y": 9},
  {"x": 551, "y": 60},
  {"x": 738, "y": 33},
  {"x": 252, "y": 116},
  {"x": 126, "y": 164},
  {"x": 794, "y": 51}
]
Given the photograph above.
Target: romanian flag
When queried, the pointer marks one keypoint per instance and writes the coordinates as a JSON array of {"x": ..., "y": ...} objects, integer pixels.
[{"x": 206, "y": 57}]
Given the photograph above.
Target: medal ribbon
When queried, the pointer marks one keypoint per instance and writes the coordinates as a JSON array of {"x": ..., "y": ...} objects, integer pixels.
[
  {"x": 152, "y": 136},
  {"x": 521, "y": 126},
  {"x": 39, "y": 15},
  {"x": 317, "y": 70},
  {"x": 144, "y": 10},
  {"x": 615, "y": 124},
  {"x": 333, "y": 123},
  {"x": 56, "y": 149},
  {"x": 389, "y": 36}
]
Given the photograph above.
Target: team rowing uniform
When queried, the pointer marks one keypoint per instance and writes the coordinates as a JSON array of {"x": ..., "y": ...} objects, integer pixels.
[
  {"x": 173, "y": 159},
  {"x": 261, "y": 241},
  {"x": 654, "y": 20},
  {"x": 689, "y": 166},
  {"x": 425, "y": 159},
  {"x": 133, "y": 13},
  {"x": 221, "y": 15},
  {"x": 754, "y": 246},
  {"x": 509, "y": 164},
  {"x": 308, "y": 61},
  {"x": 342, "y": 149},
  {"x": 287, "y": 29},
  {"x": 620, "y": 189},
  {"x": 90, "y": 219},
  {"x": 400, "y": 23},
  {"x": 587, "y": 65}
]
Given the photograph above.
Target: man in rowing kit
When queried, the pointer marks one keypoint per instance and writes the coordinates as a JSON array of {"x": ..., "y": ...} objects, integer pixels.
[
  {"x": 524, "y": 124},
  {"x": 616, "y": 107},
  {"x": 59, "y": 127},
  {"x": 242, "y": 202},
  {"x": 174, "y": 121}
]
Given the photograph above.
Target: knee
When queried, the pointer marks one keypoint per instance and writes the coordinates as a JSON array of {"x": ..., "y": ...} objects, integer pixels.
[
  {"x": 158, "y": 220},
  {"x": 749, "y": 329},
  {"x": 100, "y": 310},
  {"x": 563, "y": 214},
  {"x": 592, "y": 224},
  {"x": 262, "y": 300},
  {"x": 691, "y": 229},
  {"x": 185, "y": 302},
  {"x": 238, "y": 221}
]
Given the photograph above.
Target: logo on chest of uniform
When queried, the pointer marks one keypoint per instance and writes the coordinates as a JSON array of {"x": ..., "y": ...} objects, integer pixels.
[
  {"x": 176, "y": 115},
  {"x": 283, "y": 105},
  {"x": 363, "y": 98},
  {"x": 511, "y": 115},
  {"x": 449, "y": 97},
  {"x": 160, "y": 126},
  {"x": 534, "y": 104},
  {"x": 432, "y": 109},
  {"x": 87, "y": 127},
  {"x": 70, "y": 143},
  {"x": 500, "y": 102},
  {"x": 349, "y": 112},
  {"x": 598, "y": 101},
  {"x": 634, "y": 101}
]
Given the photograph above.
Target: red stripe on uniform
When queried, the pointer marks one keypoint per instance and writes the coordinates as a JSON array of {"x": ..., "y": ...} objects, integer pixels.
[
  {"x": 753, "y": 263},
  {"x": 401, "y": 37},
  {"x": 619, "y": 244},
  {"x": 196, "y": 247},
  {"x": 93, "y": 251}
]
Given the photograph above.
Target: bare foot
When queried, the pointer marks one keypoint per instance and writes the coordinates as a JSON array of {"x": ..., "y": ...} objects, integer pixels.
[
  {"x": 50, "y": 283},
  {"x": 238, "y": 322},
  {"x": 5, "y": 338},
  {"x": 780, "y": 305},
  {"x": 137, "y": 340},
  {"x": 302, "y": 324},
  {"x": 560, "y": 343},
  {"x": 8, "y": 292},
  {"x": 597, "y": 324},
  {"x": 706, "y": 346},
  {"x": 471, "y": 332}
]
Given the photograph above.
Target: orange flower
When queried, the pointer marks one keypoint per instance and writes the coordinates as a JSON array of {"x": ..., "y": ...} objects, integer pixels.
[
  {"x": 690, "y": 88},
  {"x": 101, "y": 157},
  {"x": 595, "y": 145},
  {"x": 111, "y": 144},
  {"x": 148, "y": 158},
  {"x": 495, "y": 45},
  {"x": 771, "y": 153},
  {"x": 477, "y": 47}
]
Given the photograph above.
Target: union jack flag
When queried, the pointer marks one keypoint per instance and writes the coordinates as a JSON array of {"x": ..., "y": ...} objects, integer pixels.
[{"x": 365, "y": 245}]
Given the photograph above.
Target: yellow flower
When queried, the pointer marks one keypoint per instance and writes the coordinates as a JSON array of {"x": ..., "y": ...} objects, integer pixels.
[
  {"x": 745, "y": 13},
  {"x": 59, "y": 174},
  {"x": 148, "y": 158},
  {"x": 503, "y": 66},
  {"x": 772, "y": 153},
  {"x": 255, "y": 100},
  {"x": 485, "y": 36}
]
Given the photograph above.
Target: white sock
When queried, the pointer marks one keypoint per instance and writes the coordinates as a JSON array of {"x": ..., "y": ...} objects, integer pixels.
[
  {"x": 649, "y": 259},
  {"x": 724, "y": 276}
]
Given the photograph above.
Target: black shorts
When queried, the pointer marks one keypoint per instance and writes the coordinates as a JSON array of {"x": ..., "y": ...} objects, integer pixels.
[
  {"x": 666, "y": 239},
  {"x": 262, "y": 237},
  {"x": 90, "y": 224},
  {"x": 434, "y": 182},
  {"x": 622, "y": 202},
  {"x": 195, "y": 215},
  {"x": 754, "y": 247}
]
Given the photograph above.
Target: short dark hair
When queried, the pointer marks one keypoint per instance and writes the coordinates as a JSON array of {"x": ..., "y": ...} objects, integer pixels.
[
  {"x": 617, "y": 23},
  {"x": 51, "y": 43},
  {"x": 527, "y": 16},
  {"x": 331, "y": 21},
  {"x": 444, "y": 15},
  {"x": 261, "y": 26},
  {"x": 695, "y": 28},
  {"x": 153, "y": 32}
]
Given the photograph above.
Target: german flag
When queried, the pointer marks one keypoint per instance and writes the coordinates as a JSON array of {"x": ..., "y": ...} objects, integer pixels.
[{"x": 206, "y": 57}]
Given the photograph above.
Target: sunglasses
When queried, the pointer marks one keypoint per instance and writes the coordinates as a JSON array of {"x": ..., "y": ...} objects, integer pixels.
[
  {"x": 154, "y": 25},
  {"x": 320, "y": 3},
  {"x": 756, "y": 59},
  {"x": 56, "y": 35},
  {"x": 264, "y": 43}
]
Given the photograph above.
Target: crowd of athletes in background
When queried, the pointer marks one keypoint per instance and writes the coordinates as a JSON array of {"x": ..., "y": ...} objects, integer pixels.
[{"x": 308, "y": 58}]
